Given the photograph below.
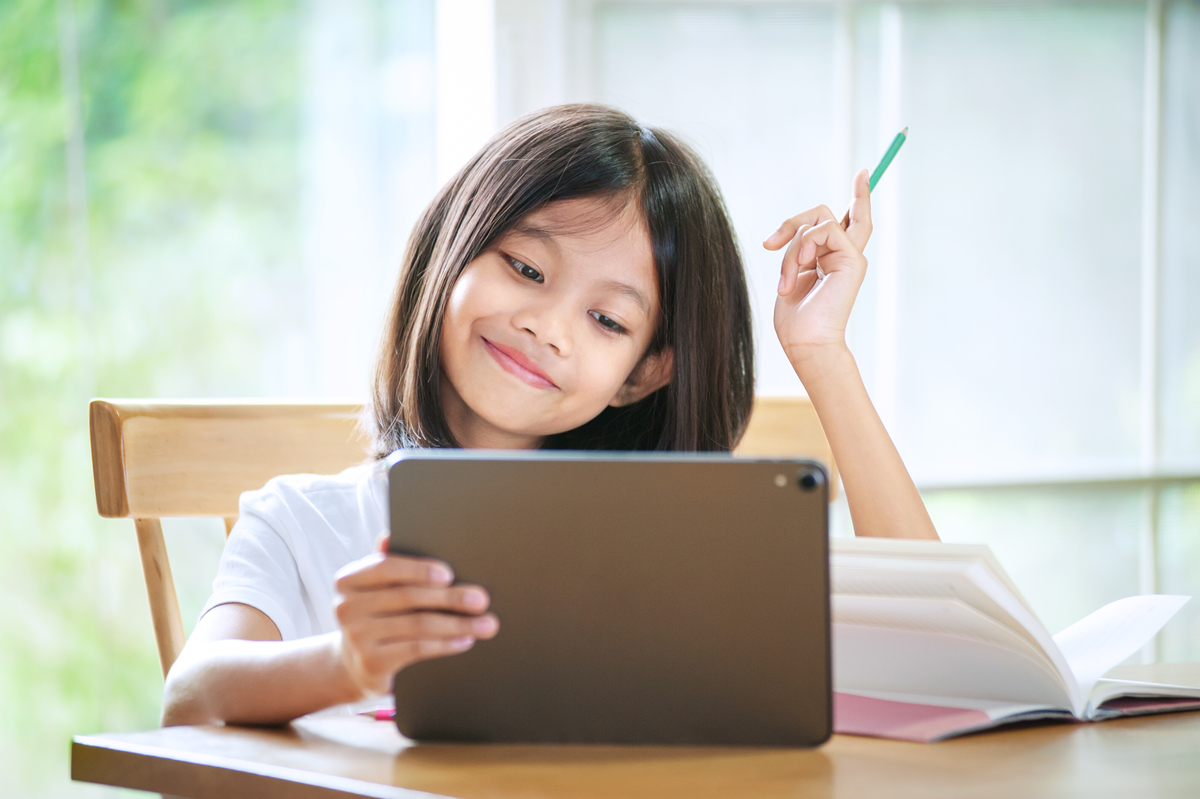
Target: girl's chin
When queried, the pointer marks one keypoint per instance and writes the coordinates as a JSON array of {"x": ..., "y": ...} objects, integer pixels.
[
  {"x": 508, "y": 419},
  {"x": 524, "y": 426}
]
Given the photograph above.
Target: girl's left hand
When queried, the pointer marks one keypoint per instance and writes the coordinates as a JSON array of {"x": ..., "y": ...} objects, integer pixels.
[{"x": 811, "y": 313}]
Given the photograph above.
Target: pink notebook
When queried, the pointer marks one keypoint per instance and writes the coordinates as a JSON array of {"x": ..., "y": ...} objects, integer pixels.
[{"x": 924, "y": 723}]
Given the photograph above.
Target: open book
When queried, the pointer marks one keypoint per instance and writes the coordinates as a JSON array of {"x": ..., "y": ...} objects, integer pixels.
[{"x": 932, "y": 640}]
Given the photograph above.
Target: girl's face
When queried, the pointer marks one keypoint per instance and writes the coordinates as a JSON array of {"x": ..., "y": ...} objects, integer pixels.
[{"x": 550, "y": 325}]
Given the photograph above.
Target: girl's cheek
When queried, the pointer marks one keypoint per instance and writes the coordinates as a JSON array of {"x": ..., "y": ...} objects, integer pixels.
[
  {"x": 608, "y": 369},
  {"x": 456, "y": 308},
  {"x": 483, "y": 297}
]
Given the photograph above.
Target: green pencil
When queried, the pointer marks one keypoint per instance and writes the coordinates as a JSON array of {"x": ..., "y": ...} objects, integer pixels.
[{"x": 894, "y": 148}]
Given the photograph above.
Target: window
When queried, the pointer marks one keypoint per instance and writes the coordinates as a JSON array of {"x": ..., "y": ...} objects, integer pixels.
[{"x": 1027, "y": 326}]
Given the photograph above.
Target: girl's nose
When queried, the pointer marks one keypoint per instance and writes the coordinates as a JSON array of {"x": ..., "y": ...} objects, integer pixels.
[{"x": 549, "y": 323}]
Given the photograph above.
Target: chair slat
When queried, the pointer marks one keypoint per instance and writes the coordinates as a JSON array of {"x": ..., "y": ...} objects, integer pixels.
[
  {"x": 160, "y": 588},
  {"x": 108, "y": 462},
  {"x": 195, "y": 459},
  {"x": 788, "y": 426}
]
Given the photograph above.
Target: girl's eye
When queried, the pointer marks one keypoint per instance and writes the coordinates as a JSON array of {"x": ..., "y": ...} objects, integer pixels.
[
  {"x": 607, "y": 323},
  {"x": 526, "y": 271}
]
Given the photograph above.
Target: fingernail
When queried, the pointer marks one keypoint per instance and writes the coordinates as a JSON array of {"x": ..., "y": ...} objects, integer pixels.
[
  {"x": 475, "y": 599},
  {"x": 780, "y": 289},
  {"x": 466, "y": 642},
  {"x": 484, "y": 625},
  {"x": 440, "y": 574}
]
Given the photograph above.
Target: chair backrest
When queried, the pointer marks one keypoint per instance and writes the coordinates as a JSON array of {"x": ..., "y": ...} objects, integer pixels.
[
  {"x": 788, "y": 426},
  {"x": 153, "y": 459}
]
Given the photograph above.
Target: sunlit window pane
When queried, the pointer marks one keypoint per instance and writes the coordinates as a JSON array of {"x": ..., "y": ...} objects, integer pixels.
[
  {"x": 752, "y": 88},
  {"x": 368, "y": 123},
  {"x": 1018, "y": 321},
  {"x": 1179, "y": 431},
  {"x": 1179, "y": 569}
]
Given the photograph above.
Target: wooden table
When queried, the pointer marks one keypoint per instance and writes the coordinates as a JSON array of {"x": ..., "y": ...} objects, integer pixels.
[{"x": 347, "y": 756}]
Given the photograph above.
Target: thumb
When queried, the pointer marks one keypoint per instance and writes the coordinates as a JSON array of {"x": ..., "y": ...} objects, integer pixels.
[
  {"x": 859, "y": 214},
  {"x": 381, "y": 541}
]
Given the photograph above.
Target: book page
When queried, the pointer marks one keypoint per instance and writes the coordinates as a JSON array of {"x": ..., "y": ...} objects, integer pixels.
[
  {"x": 941, "y": 615},
  {"x": 877, "y": 659},
  {"x": 914, "y": 569},
  {"x": 947, "y": 579},
  {"x": 1107, "y": 689},
  {"x": 1101, "y": 640},
  {"x": 929, "y": 551}
]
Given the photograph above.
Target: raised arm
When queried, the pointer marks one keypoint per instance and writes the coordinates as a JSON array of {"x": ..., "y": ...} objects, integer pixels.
[{"x": 810, "y": 319}]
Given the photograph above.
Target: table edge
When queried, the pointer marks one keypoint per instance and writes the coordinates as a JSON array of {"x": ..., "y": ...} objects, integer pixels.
[{"x": 125, "y": 764}]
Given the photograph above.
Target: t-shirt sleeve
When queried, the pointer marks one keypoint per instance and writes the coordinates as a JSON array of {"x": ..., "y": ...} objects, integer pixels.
[{"x": 259, "y": 569}]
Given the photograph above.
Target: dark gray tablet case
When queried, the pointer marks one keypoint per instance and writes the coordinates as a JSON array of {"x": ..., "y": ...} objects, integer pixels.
[{"x": 642, "y": 598}]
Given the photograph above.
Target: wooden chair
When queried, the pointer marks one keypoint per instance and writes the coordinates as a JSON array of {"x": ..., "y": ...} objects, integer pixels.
[{"x": 153, "y": 459}]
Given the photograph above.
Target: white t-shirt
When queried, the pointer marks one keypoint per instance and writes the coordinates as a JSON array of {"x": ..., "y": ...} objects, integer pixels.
[{"x": 292, "y": 536}]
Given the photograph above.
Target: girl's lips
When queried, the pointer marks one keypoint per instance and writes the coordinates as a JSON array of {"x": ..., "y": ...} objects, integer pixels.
[{"x": 516, "y": 364}]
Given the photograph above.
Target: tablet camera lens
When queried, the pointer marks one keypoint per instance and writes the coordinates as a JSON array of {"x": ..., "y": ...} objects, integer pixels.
[{"x": 809, "y": 481}]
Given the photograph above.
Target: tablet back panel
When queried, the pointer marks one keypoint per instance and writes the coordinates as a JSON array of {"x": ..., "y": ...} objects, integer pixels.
[{"x": 642, "y": 599}]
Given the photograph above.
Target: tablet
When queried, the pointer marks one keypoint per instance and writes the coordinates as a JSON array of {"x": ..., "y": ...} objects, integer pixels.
[{"x": 642, "y": 598}]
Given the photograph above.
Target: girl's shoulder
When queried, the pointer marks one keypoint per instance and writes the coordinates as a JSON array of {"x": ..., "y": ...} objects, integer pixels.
[
  {"x": 347, "y": 481},
  {"x": 352, "y": 500}
]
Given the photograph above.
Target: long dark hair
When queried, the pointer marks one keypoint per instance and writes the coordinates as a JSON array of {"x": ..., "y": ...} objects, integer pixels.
[{"x": 562, "y": 153}]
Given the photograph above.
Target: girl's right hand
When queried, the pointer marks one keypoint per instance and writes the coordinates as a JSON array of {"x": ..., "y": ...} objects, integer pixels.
[
  {"x": 811, "y": 313},
  {"x": 394, "y": 611}
]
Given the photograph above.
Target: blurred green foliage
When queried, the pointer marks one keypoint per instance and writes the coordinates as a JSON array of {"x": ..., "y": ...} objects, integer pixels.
[{"x": 190, "y": 116}]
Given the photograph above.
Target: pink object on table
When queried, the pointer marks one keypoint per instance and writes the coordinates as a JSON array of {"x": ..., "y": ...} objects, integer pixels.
[
  {"x": 381, "y": 714},
  {"x": 906, "y": 721}
]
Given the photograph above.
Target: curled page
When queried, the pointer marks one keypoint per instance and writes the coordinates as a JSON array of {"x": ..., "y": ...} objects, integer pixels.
[
  {"x": 881, "y": 660},
  {"x": 1101, "y": 640}
]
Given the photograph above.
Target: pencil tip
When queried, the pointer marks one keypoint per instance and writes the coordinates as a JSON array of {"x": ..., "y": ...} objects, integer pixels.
[{"x": 905, "y": 131}]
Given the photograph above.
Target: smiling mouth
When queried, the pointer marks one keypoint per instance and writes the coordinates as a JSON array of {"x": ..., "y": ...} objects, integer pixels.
[{"x": 518, "y": 365}]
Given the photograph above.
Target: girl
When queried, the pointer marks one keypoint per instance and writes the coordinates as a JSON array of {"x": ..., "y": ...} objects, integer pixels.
[{"x": 576, "y": 285}]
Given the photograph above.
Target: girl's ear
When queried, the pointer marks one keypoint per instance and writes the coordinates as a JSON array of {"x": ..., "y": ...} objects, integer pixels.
[{"x": 649, "y": 376}]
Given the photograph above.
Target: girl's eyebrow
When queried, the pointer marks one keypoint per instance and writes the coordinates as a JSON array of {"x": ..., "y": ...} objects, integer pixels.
[
  {"x": 626, "y": 290},
  {"x": 530, "y": 231}
]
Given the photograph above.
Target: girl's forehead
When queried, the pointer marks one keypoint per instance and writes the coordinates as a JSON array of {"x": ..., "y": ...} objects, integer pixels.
[{"x": 589, "y": 224}]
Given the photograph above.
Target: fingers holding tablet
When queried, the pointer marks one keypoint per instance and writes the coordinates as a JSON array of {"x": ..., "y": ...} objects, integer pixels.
[{"x": 395, "y": 610}]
